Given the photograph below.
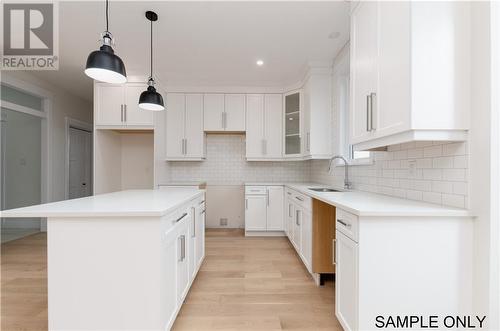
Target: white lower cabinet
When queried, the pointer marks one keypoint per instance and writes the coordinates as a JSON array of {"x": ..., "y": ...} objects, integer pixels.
[
  {"x": 346, "y": 286},
  {"x": 263, "y": 209},
  {"x": 184, "y": 250},
  {"x": 299, "y": 225},
  {"x": 183, "y": 243}
]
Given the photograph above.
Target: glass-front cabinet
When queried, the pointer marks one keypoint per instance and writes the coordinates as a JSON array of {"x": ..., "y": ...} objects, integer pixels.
[{"x": 292, "y": 124}]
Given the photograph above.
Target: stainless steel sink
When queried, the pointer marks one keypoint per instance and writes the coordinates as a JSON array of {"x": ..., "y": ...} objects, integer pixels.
[{"x": 322, "y": 189}]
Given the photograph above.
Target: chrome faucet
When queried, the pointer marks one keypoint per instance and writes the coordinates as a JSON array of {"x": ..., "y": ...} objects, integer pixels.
[{"x": 347, "y": 185}]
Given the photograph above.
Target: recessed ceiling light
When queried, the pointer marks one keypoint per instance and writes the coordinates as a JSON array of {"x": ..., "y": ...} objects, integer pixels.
[{"x": 260, "y": 63}]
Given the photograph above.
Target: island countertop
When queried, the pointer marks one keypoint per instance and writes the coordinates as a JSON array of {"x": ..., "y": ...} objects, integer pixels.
[{"x": 129, "y": 203}]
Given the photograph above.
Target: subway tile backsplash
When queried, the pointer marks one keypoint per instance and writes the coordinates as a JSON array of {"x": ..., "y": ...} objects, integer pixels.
[
  {"x": 439, "y": 173},
  {"x": 433, "y": 172}
]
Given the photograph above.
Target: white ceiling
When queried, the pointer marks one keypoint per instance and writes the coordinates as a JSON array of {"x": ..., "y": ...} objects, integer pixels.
[{"x": 203, "y": 43}]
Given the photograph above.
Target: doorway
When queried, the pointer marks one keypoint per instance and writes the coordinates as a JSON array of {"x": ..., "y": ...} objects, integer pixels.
[
  {"x": 22, "y": 158},
  {"x": 78, "y": 159}
]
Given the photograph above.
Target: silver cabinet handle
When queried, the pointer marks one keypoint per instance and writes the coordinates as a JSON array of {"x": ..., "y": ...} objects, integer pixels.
[
  {"x": 289, "y": 193},
  {"x": 373, "y": 97},
  {"x": 180, "y": 248},
  {"x": 203, "y": 211},
  {"x": 183, "y": 249},
  {"x": 125, "y": 112},
  {"x": 344, "y": 223},
  {"x": 121, "y": 112},
  {"x": 246, "y": 203},
  {"x": 193, "y": 210},
  {"x": 180, "y": 218},
  {"x": 202, "y": 201},
  {"x": 308, "y": 141},
  {"x": 299, "y": 198},
  {"x": 334, "y": 251},
  {"x": 297, "y": 217},
  {"x": 289, "y": 210},
  {"x": 368, "y": 113}
]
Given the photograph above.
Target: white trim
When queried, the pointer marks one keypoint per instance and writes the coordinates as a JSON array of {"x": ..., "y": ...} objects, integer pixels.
[
  {"x": 74, "y": 123},
  {"x": 22, "y": 109},
  {"x": 46, "y": 141}
]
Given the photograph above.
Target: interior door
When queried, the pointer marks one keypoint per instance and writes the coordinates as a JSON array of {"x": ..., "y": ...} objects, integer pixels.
[
  {"x": 80, "y": 163},
  {"x": 133, "y": 114},
  {"x": 364, "y": 76},
  {"x": 275, "y": 208},
  {"x": 213, "y": 107},
  {"x": 175, "y": 117},
  {"x": 273, "y": 125},
  {"x": 255, "y": 126},
  {"x": 255, "y": 212},
  {"x": 110, "y": 99},
  {"x": 234, "y": 107},
  {"x": 195, "y": 137},
  {"x": 346, "y": 284}
]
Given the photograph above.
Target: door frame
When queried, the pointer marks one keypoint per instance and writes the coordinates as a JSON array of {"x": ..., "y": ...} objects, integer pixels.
[
  {"x": 46, "y": 123},
  {"x": 81, "y": 125}
]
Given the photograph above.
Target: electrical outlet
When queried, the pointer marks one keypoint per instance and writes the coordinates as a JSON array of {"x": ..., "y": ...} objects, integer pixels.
[
  {"x": 412, "y": 168},
  {"x": 223, "y": 222}
]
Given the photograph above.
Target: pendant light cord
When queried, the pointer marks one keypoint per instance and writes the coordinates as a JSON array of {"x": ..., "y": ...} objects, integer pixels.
[
  {"x": 151, "y": 69},
  {"x": 107, "y": 16}
]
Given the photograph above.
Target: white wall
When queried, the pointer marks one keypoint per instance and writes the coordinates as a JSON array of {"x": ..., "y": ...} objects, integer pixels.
[{"x": 64, "y": 104}]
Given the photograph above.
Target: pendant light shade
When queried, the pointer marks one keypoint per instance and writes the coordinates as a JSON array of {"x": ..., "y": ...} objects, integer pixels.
[
  {"x": 104, "y": 65},
  {"x": 150, "y": 99}
]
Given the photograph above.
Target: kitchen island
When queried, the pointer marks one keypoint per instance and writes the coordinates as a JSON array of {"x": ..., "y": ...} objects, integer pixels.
[{"x": 122, "y": 260}]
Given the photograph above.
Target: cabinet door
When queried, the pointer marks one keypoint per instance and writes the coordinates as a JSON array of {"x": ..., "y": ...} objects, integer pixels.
[
  {"x": 182, "y": 260},
  {"x": 273, "y": 124},
  {"x": 200, "y": 235},
  {"x": 192, "y": 242},
  {"x": 275, "y": 208},
  {"x": 109, "y": 104},
  {"x": 175, "y": 117},
  {"x": 133, "y": 114},
  {"x": 170, "y": 257},
  {"x": 290, "y": 218},
  {"x": 255, "y": 212},
  {"x": 213, "y": 109},
  {"x": 306, "y": 239},
  {"x": 297, "y": 231},
  {"x": 234, "y": 107},
  {"x": 194, "y": 135},
  {"x": 255, "y": 126},
  {"x": 346, "y": 285},
  {"x": 364, "y": 49},
  {"x": 292, "y": 132}
]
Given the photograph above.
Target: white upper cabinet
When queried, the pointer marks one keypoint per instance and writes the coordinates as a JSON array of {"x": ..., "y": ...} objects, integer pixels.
[
  {"x": 406, "y": 83},
  {"x": 264, "y": 113},
  {"x": 224, "y": 112},
  {"x": 317, "y": 114},
  {"x": 213, "y": 110},
  {"x": 234, "y": 108},
  {"x": 185, "y": 139},
  {"x": 116, "y": 106}
]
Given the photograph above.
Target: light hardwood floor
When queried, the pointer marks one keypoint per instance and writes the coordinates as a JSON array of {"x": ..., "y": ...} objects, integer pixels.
[{"x": 243, "y": 284}]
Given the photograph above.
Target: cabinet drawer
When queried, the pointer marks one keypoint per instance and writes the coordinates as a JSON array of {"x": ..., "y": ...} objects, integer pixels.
[
  {"x": 347, "y": 223},
  {"x": 255, "y": 189},
  {"x": 288, "y": 193},
  {"x": 302, "y": 200}
]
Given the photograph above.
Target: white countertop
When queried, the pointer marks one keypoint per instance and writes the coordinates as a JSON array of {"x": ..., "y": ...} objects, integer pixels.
[
  {"x": 371, "y": 204},
  {"x": 128, "y": 203}
]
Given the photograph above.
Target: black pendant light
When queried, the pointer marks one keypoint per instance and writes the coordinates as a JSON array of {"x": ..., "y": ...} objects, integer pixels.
[
  {"x": 150, "y": 99},
  {"x": 104, "y": 65}
]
